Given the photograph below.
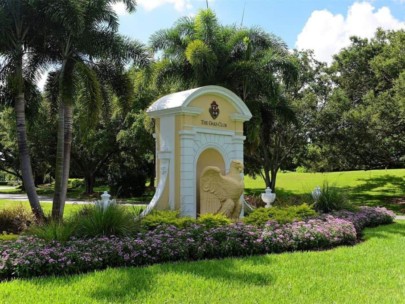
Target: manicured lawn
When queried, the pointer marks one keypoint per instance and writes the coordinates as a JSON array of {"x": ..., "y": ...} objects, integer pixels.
[
  {"x": 9, "y": 189},
  {"x": 48, "y": 189},
  {"x": 370, "y": 272},
  {"x": 370, "y": 188},
  {"x": 47, "y": 207}
]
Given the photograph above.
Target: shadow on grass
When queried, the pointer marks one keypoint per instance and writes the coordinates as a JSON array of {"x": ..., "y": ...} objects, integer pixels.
[
  {"x": 134, "y": 281},
  {"x": 283, "y": 197},
  {"x": 384, "y": 191},
  {"x": 224, "y": 270},
  {"x": 387, "y": 191},
  {"x": 386, "y": 231},
  {"x": 120, "y": 282}
]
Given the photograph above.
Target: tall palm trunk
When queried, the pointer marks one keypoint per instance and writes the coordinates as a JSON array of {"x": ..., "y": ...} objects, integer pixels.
[
  {"x": 25, "y": 160},
  {"x": 56, "y": 206},
  {"x": 64, "y": 143},
  {"x": 68, "y": 130}
]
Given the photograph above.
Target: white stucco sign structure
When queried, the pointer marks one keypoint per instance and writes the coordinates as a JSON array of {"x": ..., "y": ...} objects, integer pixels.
[{"x": 194, "y": 129}]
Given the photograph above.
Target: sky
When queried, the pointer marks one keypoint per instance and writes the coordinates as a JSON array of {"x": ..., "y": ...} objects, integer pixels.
[{"x": 324, "y": 26}]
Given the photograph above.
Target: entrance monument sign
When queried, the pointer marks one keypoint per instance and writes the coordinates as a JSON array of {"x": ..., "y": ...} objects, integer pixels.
[{"x": 196, "y": 129}]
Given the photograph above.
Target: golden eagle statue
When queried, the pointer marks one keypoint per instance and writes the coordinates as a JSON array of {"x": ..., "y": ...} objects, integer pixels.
[{"x": 220, "y": 194}]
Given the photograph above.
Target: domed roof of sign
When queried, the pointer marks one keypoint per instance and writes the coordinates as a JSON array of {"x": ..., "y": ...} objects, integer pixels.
[{"x": 178, "y": 102}]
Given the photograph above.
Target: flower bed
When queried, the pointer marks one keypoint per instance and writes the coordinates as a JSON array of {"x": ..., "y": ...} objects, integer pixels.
[
  {"x": 366, "y": 217},
  {"x": 31, "y": 256},
  {"x": 312, "y": 234}
]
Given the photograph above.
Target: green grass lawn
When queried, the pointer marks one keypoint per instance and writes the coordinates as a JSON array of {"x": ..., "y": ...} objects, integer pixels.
[
  {"x": 48, "y": 189},
  {"x": 370, "y": 272},
  {"x": 372, "y": 188},
  {"x": 47, "y": 207}
]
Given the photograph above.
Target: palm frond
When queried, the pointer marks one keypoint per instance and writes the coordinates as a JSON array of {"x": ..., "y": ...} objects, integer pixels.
[
  {"x": 206, "y": 26},
  {"x": 282, "y": 65},
  {"x": 69, "y": 15},
  {"x": 51, "y": 90},
  {"x": 169, "y": 40},
  {"x": 89, "y": 93}
]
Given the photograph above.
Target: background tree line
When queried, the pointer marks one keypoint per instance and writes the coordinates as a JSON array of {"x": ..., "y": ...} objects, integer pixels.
[{"x": 91, "y": 113}]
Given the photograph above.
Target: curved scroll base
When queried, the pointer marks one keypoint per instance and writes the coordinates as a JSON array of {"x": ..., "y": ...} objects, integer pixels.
[
  {"x": 164, "y": 172},
  {"x": 246, "y": 207}
]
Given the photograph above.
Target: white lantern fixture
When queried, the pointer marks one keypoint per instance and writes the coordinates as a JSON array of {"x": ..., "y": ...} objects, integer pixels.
[
  {"x": 268, "y": 197},
  {"x": 316, "y": 193}
]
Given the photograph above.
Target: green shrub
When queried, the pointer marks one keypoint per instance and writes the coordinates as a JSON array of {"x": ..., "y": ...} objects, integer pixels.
[
  {"x": 93, "y": 221},
  {"x": 213, "y": 220},
  {"x": 159, "y": 217},
  {"x": 332, "y": 199},
  {"x": 301, "y": 169},
  {"x": 90, "y": 221},
  {"x": 127, "y": 182},
  {"x": 54, "y": 231},
  {"x": 15, "y": 220},
  {"x": 8, "y": 237},
  {"x": 75, "y": 183},
  {"x": 261, "y": 216}
]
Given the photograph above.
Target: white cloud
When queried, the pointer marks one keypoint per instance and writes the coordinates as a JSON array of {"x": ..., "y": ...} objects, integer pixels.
[
  {"x": 120, "y": 9},
  {"x": 179, "y": 5},
  {"x": 149, "y": 5},
  {"x": 327, "y": 33}
]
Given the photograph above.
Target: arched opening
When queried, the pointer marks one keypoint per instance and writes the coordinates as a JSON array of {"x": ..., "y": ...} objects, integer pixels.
[{"x": 209, "y": 157}]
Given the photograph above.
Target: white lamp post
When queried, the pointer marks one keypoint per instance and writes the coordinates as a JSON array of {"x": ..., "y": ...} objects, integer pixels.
[
  {"x": 268, "y": 197},
  {"x": 316, "y": 193}
]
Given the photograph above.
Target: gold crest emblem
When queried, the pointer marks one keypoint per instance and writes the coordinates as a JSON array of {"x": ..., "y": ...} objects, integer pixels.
[{"x": 214, "y": 110}]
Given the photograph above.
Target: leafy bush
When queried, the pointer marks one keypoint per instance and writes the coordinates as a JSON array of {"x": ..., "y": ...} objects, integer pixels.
[
  {"x": 332, "y": 199},
  {"x": 213, "y": 220},
  {"x": 15, "y": 220},
  {"x": 126, "y": 182},
  {"x": 301, "y": 169},
  {"x": 75, "y": 183},
  {"x": 8, "y": 237},
  {"x": 53, "y": 231},
  {"x": 92, "y": 221},
  {"x": 261, "y": 216},
  {"x": 159, "y": 217}
]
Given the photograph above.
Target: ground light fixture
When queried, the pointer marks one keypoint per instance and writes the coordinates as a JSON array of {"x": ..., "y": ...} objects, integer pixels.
[
  {"x": 316, "y": 193},
  {"x": 268, "y": 197}
]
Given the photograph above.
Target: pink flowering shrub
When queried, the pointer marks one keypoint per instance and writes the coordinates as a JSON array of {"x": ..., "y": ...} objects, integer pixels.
[
  {"x": 366, "y": 217},
  {"x": 312, "y": 234},
  {"x": 31, "y": 256}
]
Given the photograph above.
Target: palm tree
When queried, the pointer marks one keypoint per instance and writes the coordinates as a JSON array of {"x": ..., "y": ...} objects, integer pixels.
[
  {"x": 20, "y": 30},
  {"x": 83, "y": 33},
  {"x": 252, "y": 63}
]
